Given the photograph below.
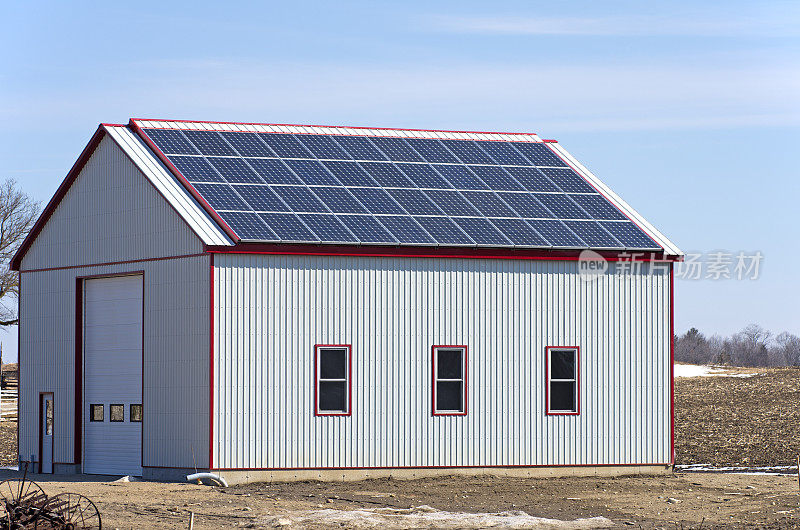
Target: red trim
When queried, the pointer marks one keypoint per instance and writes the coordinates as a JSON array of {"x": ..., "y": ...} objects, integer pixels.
[
  {"x": 672, "y": 364},
  {"x": 433, "y": 379},
  {"x": 133, "y": 120},
  {"x": 116, "y": 262},
  {"x": 193, "y": 192},
  {"x": 550, "y": 141},
  {"x": 78, "y": 442},
  {"x": 60, "y": 192},
  {"x": 427, "y": 252},
  {"x": 547, "y": 411},
  {"x": 612, "y": 202},
  {"x": 211, "y": 364},
  {"x": 349, "y": 380},
  {"x": 515, "y": 466}
]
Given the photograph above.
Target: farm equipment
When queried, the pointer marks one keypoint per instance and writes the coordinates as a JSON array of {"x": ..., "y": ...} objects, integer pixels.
[{"x": 24, "y": 505}]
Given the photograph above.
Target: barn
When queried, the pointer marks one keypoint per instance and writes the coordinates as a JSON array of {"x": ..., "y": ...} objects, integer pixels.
[{"x": 290, "y": 302}]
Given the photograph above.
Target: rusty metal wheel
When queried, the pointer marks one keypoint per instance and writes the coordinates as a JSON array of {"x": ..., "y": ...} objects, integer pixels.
[
  {"x": 69, "y": 511},
  {"x": 22, "y": 501}
]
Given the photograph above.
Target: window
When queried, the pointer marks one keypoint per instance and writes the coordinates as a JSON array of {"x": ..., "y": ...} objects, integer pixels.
[
  {"x": 449, "y": 380},
  {"x": 116, "y": 413},
  {"x": 48, "y": 416},
  {"x": 332, "y": 366},
  {"x": 562, "y": 376},
  {"x": 136, "y": 413},
  {"x": 96, "y": 413}
]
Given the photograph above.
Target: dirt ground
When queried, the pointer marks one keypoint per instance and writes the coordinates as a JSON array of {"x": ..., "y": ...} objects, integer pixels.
[
  {"x": 681, "y": 501},
  {"x": 747, "y": 421}
]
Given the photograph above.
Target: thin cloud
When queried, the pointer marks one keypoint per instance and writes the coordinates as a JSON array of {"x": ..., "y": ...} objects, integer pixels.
[{"x": 628, "y": 25}]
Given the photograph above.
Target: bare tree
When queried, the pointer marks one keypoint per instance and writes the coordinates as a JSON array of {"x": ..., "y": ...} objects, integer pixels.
[
  {"x": 788, "y": 349},
  {"x": 18, "y": 213}
]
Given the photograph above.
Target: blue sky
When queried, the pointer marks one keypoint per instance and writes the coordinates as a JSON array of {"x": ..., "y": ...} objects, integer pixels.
[{"x": 690, "y": 111}]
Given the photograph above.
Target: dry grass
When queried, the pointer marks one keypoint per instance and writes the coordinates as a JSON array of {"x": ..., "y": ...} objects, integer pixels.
[
  {"x": 8, "y": 443},
  {"x": 753, "y": 421}
]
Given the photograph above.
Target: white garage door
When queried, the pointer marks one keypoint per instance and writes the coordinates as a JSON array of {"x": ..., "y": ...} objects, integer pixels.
[{"x": 112, "y": 375}]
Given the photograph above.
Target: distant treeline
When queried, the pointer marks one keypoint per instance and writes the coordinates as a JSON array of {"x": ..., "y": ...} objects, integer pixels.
[{"x": 753, "y": 346}]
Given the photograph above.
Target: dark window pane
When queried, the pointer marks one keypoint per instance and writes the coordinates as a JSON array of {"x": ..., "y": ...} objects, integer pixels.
[
  {"x": 136, "y": 413},
  {"x": 116, "y": 413},
  {"x": 333, "y": 363},
  {"x": 449, "y": 396},
  {"x": 448, "y": 364},
  {"x": 48, "y": 416},
  {"x": 562, "y": 364},
  {"x": 562, "y": 396},
  {"x": 96, "y": 413},
  {"x": 333, "y": 396}
]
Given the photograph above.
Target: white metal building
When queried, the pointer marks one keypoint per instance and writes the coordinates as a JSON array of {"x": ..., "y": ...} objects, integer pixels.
[{"x": 273, "y": 301}]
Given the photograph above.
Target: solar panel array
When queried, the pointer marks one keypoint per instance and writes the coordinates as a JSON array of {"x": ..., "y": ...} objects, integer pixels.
[{"x": 316, "y": 188}]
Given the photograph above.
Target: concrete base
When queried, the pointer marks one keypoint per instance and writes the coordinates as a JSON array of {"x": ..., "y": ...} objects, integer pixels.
[
  {"x": 168, "y": 474},
  {"x": 349, "y": 475},
  {"x": 66, "y": 469}
]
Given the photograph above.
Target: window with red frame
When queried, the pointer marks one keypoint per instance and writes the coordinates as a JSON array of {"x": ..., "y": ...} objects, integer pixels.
[
  {"x": 562, "y": 381},
  {"x": 449, "y": 380},
  {"x": 333, "y": 380}
]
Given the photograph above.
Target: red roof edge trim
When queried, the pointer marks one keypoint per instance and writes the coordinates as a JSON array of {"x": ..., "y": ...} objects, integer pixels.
[
  {"x": 550, "y": 141},
  {"x": 334, "y": 126},
  {"x": 87, "y": 152},
  {"x": 185, "y": 183},
  {"x": 430, "y": 252}
]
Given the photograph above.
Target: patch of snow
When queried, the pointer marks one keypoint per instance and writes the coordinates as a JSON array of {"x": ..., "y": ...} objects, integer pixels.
[
  {"x": 739, "y": 470},
  {"x": 694, "y": 370},
  {"x": 10, "y": 468},
  {"x": 426, "y": 517}
]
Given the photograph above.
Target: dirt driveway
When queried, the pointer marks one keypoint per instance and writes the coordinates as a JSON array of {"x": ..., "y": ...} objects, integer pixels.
[{"x": 680, "y": 501}]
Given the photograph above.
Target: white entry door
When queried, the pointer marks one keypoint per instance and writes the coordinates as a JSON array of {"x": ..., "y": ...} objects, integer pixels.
[
  {"x": 112, "y": 375},
  {"x": 46, "y": 432}
]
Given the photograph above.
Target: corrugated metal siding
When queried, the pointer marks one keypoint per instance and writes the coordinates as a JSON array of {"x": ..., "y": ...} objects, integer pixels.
[
  {"x": 272, "y": 310},
  {"x": 176, "y": 344},
  {"x": 111, "y": 213}
]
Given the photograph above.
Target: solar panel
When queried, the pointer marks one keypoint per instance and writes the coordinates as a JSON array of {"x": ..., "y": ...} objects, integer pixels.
[
  {"x": 322, "y": 146},
  {"x": 519, "y": 232},
  {"x": 328, "y": 228},
  {"x": 220, "y": 196},
  {"x": 387, "y": 175},
  {"x": 539, "y": 154},
  {"x": 396, "y": 149},
  {"x": 561, "y": 205},
  {"x": 367, "y": 229},
  {"x": 312, "y": 173},
  {"x": 593, "y": 234},
  {"x": 171, "y": 142},
  {"x": 196, "y": 169},
  {"x": 451, "y": 202},
  {"x": 339, "y": 200},
  {"x": 568, "y": 180},
  {"x": 496, "y": 178},
  {"x": 444, "y": 230},
  {"x": 248, "y": 225},
  {"x": 209, "y": 143},
  {"x": 468, "y": 151},
  {"x": 285, "y": 145},
  {"x": 299, "y": 199},
  {"x": 235, "y": 170},
  {"x": 488, "y": 203},
  {"x": 273, "y": 171},
  {"x": 460, "y": 177},
  {"x": 260, "y": 198},
  {"x": 359, "y": 148},
  {"x": 406, "y": 230},
  {"x": 481, "y": 231},
  {"x": 556, "y": 233},
  {"x": 598, "y": 207},
  {"x": 532, "y": 179},
  {"x": 247, "y": 143},
  {"x": 629, "y": 235},
  {"x": 349, "y": 173},
  {"x": 504, "y": 153},
  {"x": 288, "y": 227},
  {"x": 423, "y": 175},
  {"x": 432, "y": 150},
  {"x": 392, "y": 190}
]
